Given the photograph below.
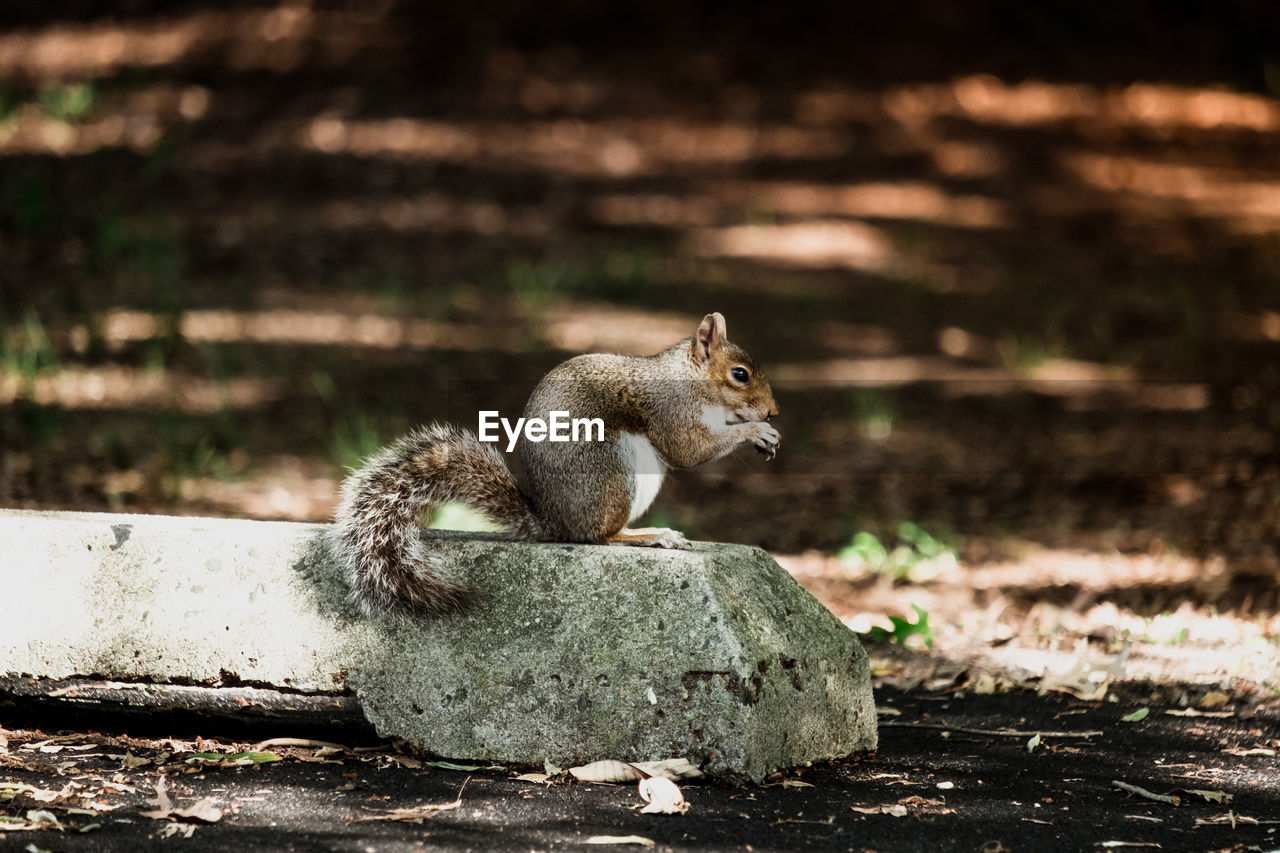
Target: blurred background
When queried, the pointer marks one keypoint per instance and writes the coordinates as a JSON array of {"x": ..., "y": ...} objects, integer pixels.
[{"x": 1014, "y": 270}]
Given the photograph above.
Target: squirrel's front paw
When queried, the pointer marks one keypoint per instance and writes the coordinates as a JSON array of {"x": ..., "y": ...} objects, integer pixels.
[{"x": 766, "y": 439}]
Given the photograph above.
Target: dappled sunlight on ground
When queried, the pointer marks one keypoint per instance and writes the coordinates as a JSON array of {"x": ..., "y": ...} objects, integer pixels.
[
  {"x": 277, "y": 39},
  {"x": 907, "y": 200},
  {"x": 293, "y": 326},
  {"x": 815, "y": 243},
  {"x": 1155, "y": 189},
  {"x": 1146, "y": 616},
  {"x": 612, "y": 148},
  {"x": 1081, "y": 385},
  {"x": 1023, "y": 292},
  {"x": 1159, "y": 108},
  {"x": 285, "y": 487},
  {"x": 113, "y": 387},
  {"x": 585, "y": 327},
  {"x": 589, "y": 327},
  {"x": 432, "y": 212}
]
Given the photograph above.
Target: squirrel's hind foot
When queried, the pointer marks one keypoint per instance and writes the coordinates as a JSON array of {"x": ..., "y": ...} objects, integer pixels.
[{"x": 651, "y": 537}]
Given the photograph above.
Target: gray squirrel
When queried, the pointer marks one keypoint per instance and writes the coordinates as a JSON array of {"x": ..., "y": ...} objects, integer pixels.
[{"x": 691, "y": 403}]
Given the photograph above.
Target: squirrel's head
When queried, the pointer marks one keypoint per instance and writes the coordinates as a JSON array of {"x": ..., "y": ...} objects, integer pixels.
[{"x": 742, "y": 386}]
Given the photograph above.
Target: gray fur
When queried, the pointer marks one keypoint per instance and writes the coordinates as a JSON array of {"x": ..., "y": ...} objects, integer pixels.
[{"x": 382, "y": 504}]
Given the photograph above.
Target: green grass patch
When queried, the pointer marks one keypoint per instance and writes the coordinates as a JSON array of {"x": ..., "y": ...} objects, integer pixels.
[
  {"x": 902, "y": 630},
  {"x": 917, "y": 555}
]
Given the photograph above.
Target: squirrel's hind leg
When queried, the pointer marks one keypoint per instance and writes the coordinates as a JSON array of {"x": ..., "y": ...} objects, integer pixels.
[{"x": 651, "y": 537}]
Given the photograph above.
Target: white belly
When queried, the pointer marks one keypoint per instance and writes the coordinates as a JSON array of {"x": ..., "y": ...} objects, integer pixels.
[{"x": 646, "y": 469}]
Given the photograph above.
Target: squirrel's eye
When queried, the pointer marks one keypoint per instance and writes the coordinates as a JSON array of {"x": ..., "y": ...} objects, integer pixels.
[{"x": 740, "y": 374}]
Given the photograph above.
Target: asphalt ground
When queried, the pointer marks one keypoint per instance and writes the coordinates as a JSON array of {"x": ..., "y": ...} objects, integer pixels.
[{"x": 955, "y": 771}]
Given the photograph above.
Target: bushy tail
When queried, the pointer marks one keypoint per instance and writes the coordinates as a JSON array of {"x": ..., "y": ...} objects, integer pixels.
[{"x": 383, "y": 502}]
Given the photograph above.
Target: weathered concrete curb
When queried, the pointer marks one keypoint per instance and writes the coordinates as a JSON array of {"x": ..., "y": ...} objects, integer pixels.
[{"x": 572, "y": 653}]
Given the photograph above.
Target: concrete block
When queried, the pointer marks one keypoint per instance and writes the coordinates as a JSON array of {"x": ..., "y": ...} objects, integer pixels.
[{"x": 570, "y": 653}]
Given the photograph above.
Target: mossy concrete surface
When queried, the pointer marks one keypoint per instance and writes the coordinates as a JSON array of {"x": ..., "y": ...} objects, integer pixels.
[{"x": 570, "y": 653}]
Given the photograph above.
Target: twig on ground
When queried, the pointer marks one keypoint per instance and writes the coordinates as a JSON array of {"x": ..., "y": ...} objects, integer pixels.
[
  {"x": 1145, "y": 794},
  {"x": 300, "y": 742}
]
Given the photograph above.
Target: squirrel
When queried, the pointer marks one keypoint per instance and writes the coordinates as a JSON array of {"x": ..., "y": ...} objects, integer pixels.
[{"x": 691, "y": 403}]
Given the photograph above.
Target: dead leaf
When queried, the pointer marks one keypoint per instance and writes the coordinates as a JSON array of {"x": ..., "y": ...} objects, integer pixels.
[
  {"x": 674, "y": 769},
  {"x": 169, "y": 830},
  {"x": 43, "y": 796},
  {"x": 9, "y": 790},
  {"x": 662, "y": 796},
  {"x": 414, "y": 814},
  {"x": 917, "y": 801},
  {"x": 607, "y": 771},
  {"x": 235, "y": 759},
  {"x": 610, "y": 771},
  {"x": 1214, "y": 699},
  {"x": 205, "y": 809},
  {"x": 532, "y": 777},
  {"x": 988, "y": 683},
  {"x": 129, "y": 761},
  {"x": 406, "y": 761},
  {"x": 163, "y": 806},
  {"x": 1210, "y": 796},
  {"x": 1085, "y": 679},
  {"x": 895, "y": 810},
  {"x": 621, "y": 839},
  {"x": 411, "y": 814},
  {"x": 119, "y": 787},
  {"x": 1234, "y": 820},
  {"x": 1033, "y": 743},
  {"x": 464, "y": 768}
]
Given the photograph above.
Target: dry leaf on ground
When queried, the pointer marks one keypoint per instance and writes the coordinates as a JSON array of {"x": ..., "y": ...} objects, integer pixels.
[
  {"x": 1214, "y": 699},
  {"x": 638, "y": 840},
  {"x": 205, "y": 809},
  {"x": 612, "y": 771},
  {"x": 608, "y": 771},
  {"x": 410, "y": 814},
  {"x": 894, "y": 810},
  {"x": 662, "y": 796},
  {"x": 674, "y": 769}
]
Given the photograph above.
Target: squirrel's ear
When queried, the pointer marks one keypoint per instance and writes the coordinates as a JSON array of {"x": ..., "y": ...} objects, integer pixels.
[{"x": 710, "y": 334}]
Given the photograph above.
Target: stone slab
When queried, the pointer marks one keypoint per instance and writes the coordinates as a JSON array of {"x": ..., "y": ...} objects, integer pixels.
[{"x": 571, "y": 653}]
